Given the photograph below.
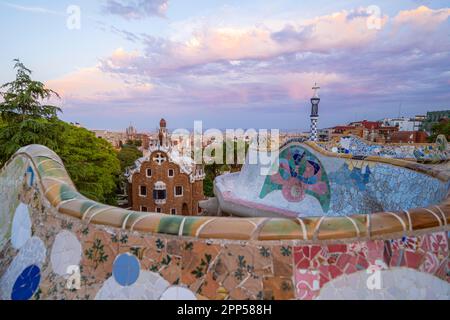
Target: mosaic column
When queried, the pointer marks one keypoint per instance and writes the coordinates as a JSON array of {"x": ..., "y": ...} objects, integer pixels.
[{"x": 314, "y": 112}]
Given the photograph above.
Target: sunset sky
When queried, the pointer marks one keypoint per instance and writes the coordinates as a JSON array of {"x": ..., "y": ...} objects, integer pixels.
[{"x": 232, "y": 63}]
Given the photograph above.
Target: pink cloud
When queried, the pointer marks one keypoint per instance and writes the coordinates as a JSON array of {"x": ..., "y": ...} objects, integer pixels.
[
  {"x": 341, "y": 30},
  {"x": 261, "y": 66},
  {"x": 423, "y": 17},
  {"x": 92, "y": 84}
]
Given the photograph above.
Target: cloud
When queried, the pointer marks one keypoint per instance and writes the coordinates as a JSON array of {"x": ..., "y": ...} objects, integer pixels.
[
  {"x": 93, "y": 85},
  {"x": 136, "y": 9},
  {"x": 39, "y": 10},
  {"x": 423, "y": 17},
  {"x": 217, "y": 44},
  {"x": 261, "y": 70}
]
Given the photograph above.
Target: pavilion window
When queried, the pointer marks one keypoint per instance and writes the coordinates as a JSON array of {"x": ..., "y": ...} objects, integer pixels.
[
  {"x": 159, "y": 194},
  {"x": 143, "y": 191}
]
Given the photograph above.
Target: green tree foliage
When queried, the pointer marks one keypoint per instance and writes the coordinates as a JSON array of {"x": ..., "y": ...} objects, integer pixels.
[
  {"x": 91, "y": 162},
  {"x": 23, "y": 97},
  {"x": 128, "y": 155},
  {"x": 25, "y": 120},
  {"x": 215, "y": 169},
  {"x": 14, "y": 135},
  {"x": 442, "y": 127},
  {"x": 208, "y": 186},
  {"x": 136, "y": 143}
]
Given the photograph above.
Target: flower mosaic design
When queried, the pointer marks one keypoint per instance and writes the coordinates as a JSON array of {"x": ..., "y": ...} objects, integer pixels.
[
  {"x": 97, "y": 253},
  {"x": 300, "y": 173}
]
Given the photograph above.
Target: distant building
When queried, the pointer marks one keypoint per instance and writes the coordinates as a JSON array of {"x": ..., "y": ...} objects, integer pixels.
[
  {"x": 115, "y": 138},
  {"x": 383, "y": 134},
  {"x": 348, "y": 130},
  {"x": 404, "y": 123},
  {"x": 434, "y": 117},
  {"x": 409, "y": 137},
  {"x": 131, "y": 133},
  {"x": 118, "y": 139},
  {"x": 369, "y": 130},
  {"x": 165, "y": 181},
  {"x": 369, "y": 125},
  {"x": 145, "y": 138},
  {"x": 324, "y": 134}
]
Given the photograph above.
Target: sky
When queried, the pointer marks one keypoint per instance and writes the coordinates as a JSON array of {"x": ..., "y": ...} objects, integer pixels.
[{"x": 231, "y": 64}]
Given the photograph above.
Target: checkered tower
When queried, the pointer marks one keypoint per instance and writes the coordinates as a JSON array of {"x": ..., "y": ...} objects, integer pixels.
[{"x": 314, "y": 112}]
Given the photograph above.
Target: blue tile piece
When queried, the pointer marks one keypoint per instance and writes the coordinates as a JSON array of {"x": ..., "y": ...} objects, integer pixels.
[
  {"x": 26, "y": 283},
  {"x": 126, "y": 269},
  {"x": 30, "y": 170}
]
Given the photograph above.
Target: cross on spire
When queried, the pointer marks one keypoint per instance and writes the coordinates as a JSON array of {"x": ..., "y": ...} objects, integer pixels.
[
  {"x": 159, "y": 159},
  {"x": 316, "y": 90}
]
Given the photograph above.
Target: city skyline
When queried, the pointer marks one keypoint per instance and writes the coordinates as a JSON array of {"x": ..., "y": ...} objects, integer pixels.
[{"x": 233, "y": 65}]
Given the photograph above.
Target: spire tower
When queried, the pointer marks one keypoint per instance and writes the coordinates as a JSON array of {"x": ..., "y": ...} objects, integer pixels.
[{"x": 314, "y": 112}]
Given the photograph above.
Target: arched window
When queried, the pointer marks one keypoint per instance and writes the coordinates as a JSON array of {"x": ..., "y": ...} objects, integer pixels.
[{"x": 159, "y": 192}]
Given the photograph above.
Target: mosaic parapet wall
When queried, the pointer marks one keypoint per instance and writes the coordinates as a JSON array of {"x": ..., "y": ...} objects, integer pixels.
[
  {"x": 420, "y": 152},
  {"x": 56, "y": 244},
  {"x": 308, "y": 181}
]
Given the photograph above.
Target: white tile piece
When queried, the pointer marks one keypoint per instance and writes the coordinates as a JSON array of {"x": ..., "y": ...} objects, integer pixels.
[
  {"x": 21, "y": 226},
  {"x": 32, "y": 252},
  {"x": 66, "y": 252},
  {"x": 149, "y": 286},
  {"x": 178, "y": 293},
  {"x": 397, "y": 283}
]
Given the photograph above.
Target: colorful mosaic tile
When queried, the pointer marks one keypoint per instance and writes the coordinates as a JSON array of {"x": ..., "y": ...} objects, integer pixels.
[
  {"x": 300, "y": 173},
  {"x": 171, "y": 266}
]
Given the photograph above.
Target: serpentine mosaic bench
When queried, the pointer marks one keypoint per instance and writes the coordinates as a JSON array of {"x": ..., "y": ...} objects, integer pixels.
[
  {"x": 419, "y": 152},
  {"x": 50, "y": 234}
]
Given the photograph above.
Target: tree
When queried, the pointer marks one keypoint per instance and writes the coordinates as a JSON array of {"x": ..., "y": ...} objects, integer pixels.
[
  {"x": 136, "y": 143},
  {"x": 23, "y": 97},
  {"x": 15, "y": 135},
  {"x": 128, "y": 155},
  {"x": 91, "y": 162},
  {"x": 208, "y": 186},
  {"x": 25, "y": 120},
  {"x": 442, "y": 127},
  {"x": 215, "y": 169}
]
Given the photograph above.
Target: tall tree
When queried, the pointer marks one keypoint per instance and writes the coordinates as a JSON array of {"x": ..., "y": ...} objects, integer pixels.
[
  {"x": 23, "y": 97},
  {"x": 91, "y": 162},
  {"x": 25, "y": 119}
]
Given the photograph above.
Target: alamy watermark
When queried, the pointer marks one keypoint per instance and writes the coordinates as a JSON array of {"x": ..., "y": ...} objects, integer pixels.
[
  {"x": 73, "y": 278},
  {"x": 373, "y": 21},
  {"x": 374, "y": 280},
  {"x": 231, "y": 146},
  {"x": 73, "y": 21}
]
